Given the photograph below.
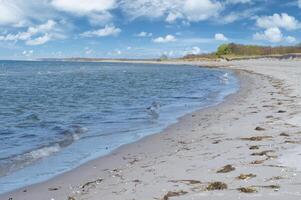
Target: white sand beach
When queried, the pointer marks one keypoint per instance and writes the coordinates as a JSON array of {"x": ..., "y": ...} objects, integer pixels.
[{"x": 249, "y": 145}]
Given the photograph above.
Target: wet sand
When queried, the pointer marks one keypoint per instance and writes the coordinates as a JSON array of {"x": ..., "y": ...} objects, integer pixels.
[{"x": 246, "y": 147}]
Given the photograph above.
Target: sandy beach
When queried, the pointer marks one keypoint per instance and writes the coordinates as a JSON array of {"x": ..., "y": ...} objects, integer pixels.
[{"x": 247, "y": 147}]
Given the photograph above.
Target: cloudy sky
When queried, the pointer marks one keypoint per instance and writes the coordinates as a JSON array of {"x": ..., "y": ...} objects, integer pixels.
[{"x": 141, "y": 28}]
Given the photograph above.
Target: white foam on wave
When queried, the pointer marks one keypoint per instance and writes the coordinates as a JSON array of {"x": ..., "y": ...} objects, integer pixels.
[{"x": 44, "y": 152}]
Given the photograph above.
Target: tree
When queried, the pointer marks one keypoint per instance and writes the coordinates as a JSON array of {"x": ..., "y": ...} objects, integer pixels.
[{"x": 223, "y": 49}]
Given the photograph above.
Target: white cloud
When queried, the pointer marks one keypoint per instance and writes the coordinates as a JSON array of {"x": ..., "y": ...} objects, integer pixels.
[
  {"x": 35, "y": 35},
  {"x": 83, "y": 7},
  {"x": 196, "y": 10},
  {"x": 172, "y": 10},
  {"x": 194, "y": 51},
  {"x": 271, "y": 34},
  {"x": 27, "y": 53},
  {"x": 88, "y": 51},
  {"x": 97, "y": 11},
  {"x": 118, "y": 52},
  {"x": 173, "y": 16},
  {"x": 273, "y": 26},
  {"x": 166, "y": 39},
  {"x": 39, "y": 40},
  {"x": 108, "y": 30},
  {"x": 238, "y": 1},
  {"x": 238, "y": 15},
  {"x": 291, "y": 39},
  {"x": 278, "y": 20},
  {"x": 144, "y": 34},
  {"x": 220, "y": 37},
  {"x": 20, "y": 13},
  {"x": 10, "y": 13}
]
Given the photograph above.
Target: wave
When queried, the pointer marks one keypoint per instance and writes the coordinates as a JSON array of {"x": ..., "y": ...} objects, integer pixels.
[{"x": 17, "y": 162}]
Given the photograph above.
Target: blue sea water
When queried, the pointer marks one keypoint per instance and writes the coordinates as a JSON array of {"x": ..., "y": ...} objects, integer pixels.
[{"x": 55, "y": 116}]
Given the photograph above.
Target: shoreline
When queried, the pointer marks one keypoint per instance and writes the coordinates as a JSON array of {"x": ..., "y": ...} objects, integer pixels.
[
  {"x": 130, "y": 162},
  {"x": 124, "y": 146},
  {"x": 204, "y": 107}
]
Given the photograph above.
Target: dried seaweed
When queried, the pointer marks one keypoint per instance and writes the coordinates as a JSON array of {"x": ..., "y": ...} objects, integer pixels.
[
  {"x": 259, "y": 129},
  {"x": 174, "y": 194},
  {"x": 292, "y": 142},
  {"x": 281, "y": 111},
  {"x": 226, "y": 169},
  {"x": 246, "y": 176},
  {"x": 257, "y": 138},
  {"x": 254, "y": 147},
  {"x": 247, "y": 190},
  {"x": 257, "y": 162},
  {"x": 284, "y": 135},
  {"x": 263, "y": 153},
  {"x": 190, "y": 182},
  {"x": 91, "y": 183},
  {"x": 217, "y": 186}
]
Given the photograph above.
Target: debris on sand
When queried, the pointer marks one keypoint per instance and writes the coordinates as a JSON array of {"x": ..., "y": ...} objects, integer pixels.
[
  {"x": 246, "y": 176},
  {"x": 255, "y": 147},
  {"x": 71, "y": 198},
  {"x": 174, "y": 194},
  {"x": 263, "y": 153},
  {"x": 53, "y": 188},
  {"x": 134, "y": 161},
  {"x": 87, "y": 185},
  {"x": 273, "y": 187},
  {"x": 281, "y": 111},
  {"x": 284, "y": 135},
  {"x": 189, "y": 182},
  {"x": 226, "y": 169},
  {"x": 275, "y": 178},
  {"x": 247, "y": 190},
  {"x": 257, "y": 162},
  {"x": 216, "y": 142},
  {"x": 292, "y": 142},
  {"x": 257, "y": 138},
  {"x": 259, "y": 129},
  {"x": 217, "y": 186}
]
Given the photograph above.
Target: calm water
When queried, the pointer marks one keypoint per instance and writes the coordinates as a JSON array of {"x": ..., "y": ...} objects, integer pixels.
[{"x": 55, "y": 116}]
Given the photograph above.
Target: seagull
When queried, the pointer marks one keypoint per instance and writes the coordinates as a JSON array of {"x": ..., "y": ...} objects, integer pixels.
[
  {"x": 153, "y": 110},
  {"x": 224, "y": 78}
]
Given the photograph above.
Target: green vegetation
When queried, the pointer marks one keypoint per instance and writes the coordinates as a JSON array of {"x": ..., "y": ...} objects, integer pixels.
[
  {"x": 224, "y": 49},
  {"x": 254, "y": 50},
  {"x": 237, "y": 51}
]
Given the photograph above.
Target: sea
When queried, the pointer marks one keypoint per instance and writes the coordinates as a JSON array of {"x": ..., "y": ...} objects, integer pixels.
[{"x": 55, "y": 116}]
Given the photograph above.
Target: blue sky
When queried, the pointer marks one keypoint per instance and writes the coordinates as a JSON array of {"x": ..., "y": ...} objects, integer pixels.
[{"x": 141, "y": 28}]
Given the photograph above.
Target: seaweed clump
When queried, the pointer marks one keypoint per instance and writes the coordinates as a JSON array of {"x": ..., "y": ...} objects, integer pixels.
[
  {"x": 246, "y": 176},
  {"x": 247, "y": 190},
  {"x": 174, "y": 194},
  {"x": 217, "y": 186},
  {"x": 226, "y": 169}
]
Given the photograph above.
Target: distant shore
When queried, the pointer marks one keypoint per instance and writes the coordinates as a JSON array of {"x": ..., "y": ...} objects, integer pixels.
[{"x": 246, "y": 146}]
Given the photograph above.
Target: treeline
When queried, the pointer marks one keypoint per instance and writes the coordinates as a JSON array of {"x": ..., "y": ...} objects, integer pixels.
[
  {"x": 255, "y": 50},
  {"x": 233, "y": 50}
]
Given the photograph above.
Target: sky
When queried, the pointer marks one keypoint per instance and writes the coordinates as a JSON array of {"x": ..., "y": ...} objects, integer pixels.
[{"x": 141, "y": 28}]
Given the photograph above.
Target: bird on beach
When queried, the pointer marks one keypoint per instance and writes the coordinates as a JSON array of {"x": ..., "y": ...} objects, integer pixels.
[
  {"x": 153, "y": 110},
  {"x": 224, "y": 78}
]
